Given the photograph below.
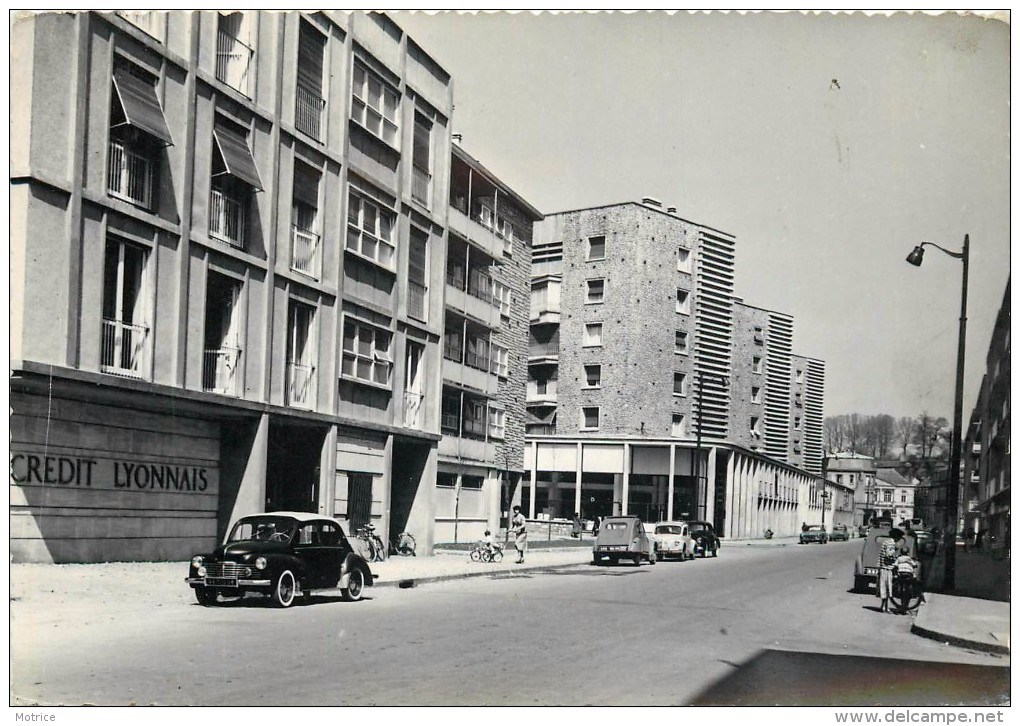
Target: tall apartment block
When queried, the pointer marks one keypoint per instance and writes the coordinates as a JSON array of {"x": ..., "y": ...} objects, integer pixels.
[
  {"x": 231, "y": 285},
  {"x": 986, "y": 466},
  {"x": 653, "y": 389}
]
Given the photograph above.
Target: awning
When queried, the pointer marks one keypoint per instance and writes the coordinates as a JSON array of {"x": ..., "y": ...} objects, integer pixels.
[
  {"x": 546, "y": 419},
  {"x": 237, "y": 156},
  {"x": 141, "y": 107}
]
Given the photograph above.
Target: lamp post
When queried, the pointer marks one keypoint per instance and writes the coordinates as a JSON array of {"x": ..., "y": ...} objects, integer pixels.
[
  {"x": 826, "y": 495},
  {"x": 953, "y": 493},
  {"x": 702, "y": 495}
]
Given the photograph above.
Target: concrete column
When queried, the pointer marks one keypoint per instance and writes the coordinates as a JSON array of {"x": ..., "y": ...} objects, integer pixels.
[
  {"x": 617, "y": 493},
  {"x": 672, "y": 479},
  {"x": 533, "y": 483},
  {"x": 577, "y": 482},
  {"x": 494, "y": 486},
  {"x": 626, "y": 477},
  {"x": 251, "y": 495},
  {"x": 554, "y": 493},
  {"x": 731, "y": 484},
  {"x": 710, "y": 485}
]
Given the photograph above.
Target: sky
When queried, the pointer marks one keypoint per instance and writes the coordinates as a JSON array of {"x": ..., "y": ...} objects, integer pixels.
[{"x": 829, "y": 145}]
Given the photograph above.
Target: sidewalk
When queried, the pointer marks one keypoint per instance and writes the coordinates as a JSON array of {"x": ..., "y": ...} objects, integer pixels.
[
  {"x": 453, "y": 565},
  {"x": 976, "y": 613}
]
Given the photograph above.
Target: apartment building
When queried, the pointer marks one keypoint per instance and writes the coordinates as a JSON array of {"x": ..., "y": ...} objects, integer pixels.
[
  {"x": 985, "y": 490},
  {"x": 228, "y": 259},
  {"x": 645, "y": 394},
  {"x": 487, "y": 294}
]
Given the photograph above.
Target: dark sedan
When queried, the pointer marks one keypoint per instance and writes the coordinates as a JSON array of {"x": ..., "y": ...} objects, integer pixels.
[
  {"x": 284, "y": 555},
  {"x": 706, "y": 541},
  {"x": 814, "y": 533},
  {"x": 840, "y": 534}
]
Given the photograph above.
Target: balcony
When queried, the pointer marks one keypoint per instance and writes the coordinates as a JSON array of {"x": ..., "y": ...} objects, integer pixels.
[
  {"x": 484, "y": 311},
  {"x": 220, "y": 370},
  {"x": 545, "y": 304},
  {"x": 421, "y": 185},
  {"x": 226, "y": 218},
  {"x": 544, "y": 352},
  {"x": 129, "y": 175},
  {"x": 308, "y": 112},
  {"x": 232, "y": 61},
  {"x": 469, "y": 377},
  {"x": 541, "y": 394},
  {"x": 125, "y": 349},
  {"x": 474, "y": 230},
  {"x": 305, "y": 253},
  {"x": 416, "y": 296},
  {"x": 300, "y": 385},
  {"x": 414, "y": 414},
  {"x": 454, "y": 446}
]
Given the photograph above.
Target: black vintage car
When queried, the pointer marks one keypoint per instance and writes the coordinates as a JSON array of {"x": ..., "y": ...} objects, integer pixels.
[
  {"x": 284, "y": 555},
  {"x": 706, "y": 541}
]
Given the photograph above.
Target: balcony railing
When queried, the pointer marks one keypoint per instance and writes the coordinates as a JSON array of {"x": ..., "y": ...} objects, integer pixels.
[
  {"x": 413, "y": 409},
  {"x": 450, "y": 424},
  {"x": 220, "y": 370},
  {"x": 125, "y": 348},
  {"x": 129, "y": 175},
  {"x": 452, "y": 351},
  {"x": 233, "y": 59},
  {"x": 416, "y": 300},
  {"x": 474, "y": 427},
  {"x": 300, "y": 385},
  {"x": 421, "y": 185},
  {"x": 308, "y": 112},
  {"x": 305, "y": 254},
  {"x": 226, "y": 218}
]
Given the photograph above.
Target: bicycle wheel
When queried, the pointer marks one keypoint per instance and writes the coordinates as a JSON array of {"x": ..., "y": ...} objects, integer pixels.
[
  {"x": 906, "y": 594},
  {"x": 486, "y": 556},
  {"x": 476, "y": 555},
  {"x": 497, "y": 556},
  {"x": 380, "y": 549},
  {"x": 370, "y": 547}
]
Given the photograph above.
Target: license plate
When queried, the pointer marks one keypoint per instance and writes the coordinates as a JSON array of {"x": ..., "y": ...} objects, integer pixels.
[
  {"x": 870, "y": 571},
  {"x": 221, "y": 582}
]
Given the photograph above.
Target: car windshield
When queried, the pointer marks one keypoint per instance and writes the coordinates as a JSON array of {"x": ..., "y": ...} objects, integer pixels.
[
  {"x": 615, "y": 525},
  {"x": 669, "y": 529},
  {"x": 262, "y": 529},
  {"x": 815, "y": 528}
]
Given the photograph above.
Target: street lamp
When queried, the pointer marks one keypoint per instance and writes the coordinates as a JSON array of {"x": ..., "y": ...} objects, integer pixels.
[
  {"x": 826, "y": 496},
  {"x": 953, "y": 494},
  {"x": 702, "y": 492}
]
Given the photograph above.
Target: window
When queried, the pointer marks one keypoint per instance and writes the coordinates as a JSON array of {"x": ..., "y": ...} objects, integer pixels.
[
  {"x": 300, "y": 355},
  {"x": 796, "y": 447},
  {"x": 453, "y": 344},
  {"x": 417, "y": 274},
  {"x": 374, "y": 105},
  {"x": 756, "y": 364},
  {"x": 596, "y": 291},
  {"x": 235, "y": 49},
  {"x": 682, "y": 301},
  {"x": 500, "y": 361},
  {"x": 679, "y": 384},
  {"x": 305, "y": 251},
  {"x": 755, "y": 433},
  {"x": 797, "y": 400},
  {"x": 501, "y": 296},
  {"x": 138, "y": 133},
  {"x": 497, "y": 423},
  {"x": 446, "y": 480},
  {"x": 366, "y": 353},
  {"x": 370, "y": 229},
  {"x": 903, "y": 497},
  {"x": 683, "y": 259},
  {"x": 234, "y": 178},
  {"x": 759, "y": 335},
  {"x": 590, "y": 417},
  {"x": 222, "y": 351},
  {"x": 678, "y": 427},
  {"x": 450, "y": 419},
  {"x": 468, "y": 481},
  {"x": 796, "y": 422},
  {"x": 756, "y": 394},
  {"x": 477, "y": 352},
  {"x": 800, "y": 376},
  {"x": 309, "y": 100},
  {"x": 680, "y": 346},
  {"x": 421, "y": 160},
  {"x": 593, "y": 376},
  {"x": 125, "y": 339},
  {"x": 414, "y": 384},
  {"x": 592, "y": 334},
  {"x": 474, "y": 423},
  {"x": 596, "y": 248}
]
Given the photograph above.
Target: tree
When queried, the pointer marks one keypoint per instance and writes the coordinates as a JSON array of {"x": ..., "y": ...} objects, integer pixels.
[
  {"x": 904, "y": 433},
  {"x": 835, "y": 434},
  {"x": 930, "y": 434},
  {"x": 884, "y": 431}
]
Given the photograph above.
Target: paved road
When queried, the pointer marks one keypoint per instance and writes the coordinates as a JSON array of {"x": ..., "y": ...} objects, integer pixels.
[{"x": 708, "y": 631}]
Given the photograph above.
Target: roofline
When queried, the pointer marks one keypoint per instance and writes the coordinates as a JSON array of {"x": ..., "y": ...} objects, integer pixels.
[
  {"x": 458, "y": 150},
  {"x": 650, "y": 209}
]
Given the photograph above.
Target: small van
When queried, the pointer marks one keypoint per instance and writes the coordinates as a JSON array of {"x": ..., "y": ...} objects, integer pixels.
[{"x": 623, "y": 538}]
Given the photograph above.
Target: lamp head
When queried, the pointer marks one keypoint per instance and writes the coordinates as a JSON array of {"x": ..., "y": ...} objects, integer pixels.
[{"x": 916, "y": 256}]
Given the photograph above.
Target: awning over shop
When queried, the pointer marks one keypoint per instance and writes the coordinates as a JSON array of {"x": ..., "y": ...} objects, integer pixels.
[
  {"x": 141, "y": 107},
  {"x": 237, "y": 157}
]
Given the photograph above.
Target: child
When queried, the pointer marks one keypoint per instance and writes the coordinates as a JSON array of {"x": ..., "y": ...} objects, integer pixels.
[{"x": 488, "y": 542}]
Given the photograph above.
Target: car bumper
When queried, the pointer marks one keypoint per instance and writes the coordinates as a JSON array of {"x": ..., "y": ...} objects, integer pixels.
[{"x": 225, "y": 583}]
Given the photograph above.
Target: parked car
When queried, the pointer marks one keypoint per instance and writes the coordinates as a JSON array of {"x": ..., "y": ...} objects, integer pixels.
[
  {"x": 862, "y": 530},
  {"x": 839, "y": 533},
  {"x": 814, "y": 533},
  {"x": 866, "y": 565},
  {"x": 706, "y": 541},
  {"x": 926, "y": 544},
  {"x": 284, "y": 555},
  {"x": 623, "y": 538},
  {"x": 672, "y": 539}
]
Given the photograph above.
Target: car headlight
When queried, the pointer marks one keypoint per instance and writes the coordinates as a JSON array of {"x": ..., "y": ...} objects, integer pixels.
[
  {"x": 201, "y": 570},
  {"x": 197, "y": 560},
  {"x": 260, "y": 563}
]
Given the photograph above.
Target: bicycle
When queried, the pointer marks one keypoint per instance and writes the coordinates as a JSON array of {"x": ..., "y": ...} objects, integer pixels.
[
  {"x": 907, "y": 590},
  {"x": 482, "y": 553},
  {"x": 403, "y": 545},
  {"x": 373, "y": 543}
]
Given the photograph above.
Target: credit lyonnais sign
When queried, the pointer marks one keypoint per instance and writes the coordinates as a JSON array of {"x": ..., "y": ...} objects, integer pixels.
[{"x": 62, "y": 470}]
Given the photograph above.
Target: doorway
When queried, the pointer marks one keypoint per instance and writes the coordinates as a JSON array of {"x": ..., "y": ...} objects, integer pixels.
[{"x": 292, "y": 467}]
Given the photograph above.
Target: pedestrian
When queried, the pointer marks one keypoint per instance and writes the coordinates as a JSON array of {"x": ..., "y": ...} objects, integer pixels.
[
  {"x": 979, "y": 543},
  {"x": 576, "y": 531},
  {"x": 887, "y": 554},
  {"x": 968, "y": 539},
  {"x": 804, "y": 527},
  {"x": 519, "y": 525},
  {"x": 595, "y": 526}
]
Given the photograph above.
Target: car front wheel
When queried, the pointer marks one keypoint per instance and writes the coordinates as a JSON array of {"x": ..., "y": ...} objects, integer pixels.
[
  {"x": 355, "y": 586},
  {"x": 715, "y": 551},
  {"x": 285, "y": 589},
  {"x": 206, "y": 596}
]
